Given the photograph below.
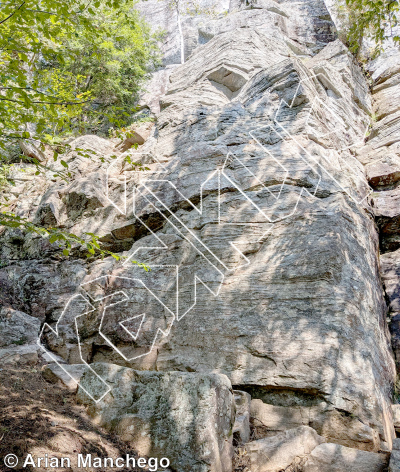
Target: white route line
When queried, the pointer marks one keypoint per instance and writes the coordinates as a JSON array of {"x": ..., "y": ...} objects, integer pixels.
[
  {"x": 126, "y": 298},
  {"x": 56, "y": 333},
  {"x": 181, "y": 228}
]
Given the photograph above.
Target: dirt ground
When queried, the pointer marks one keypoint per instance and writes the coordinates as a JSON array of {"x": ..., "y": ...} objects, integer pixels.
[{"x": 38, "y": 417}]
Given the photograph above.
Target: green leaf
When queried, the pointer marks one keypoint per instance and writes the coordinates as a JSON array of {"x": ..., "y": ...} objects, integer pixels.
[{"x": 53, "y": 238}]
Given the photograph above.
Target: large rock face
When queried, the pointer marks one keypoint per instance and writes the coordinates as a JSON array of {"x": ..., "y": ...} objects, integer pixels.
[
  {"x": 17, "y": 327},
  {"x": 382, "y": 154},
  {"x": 254, "y": 217},
  {"x": 382, "y": 158},
  {"x": 305, "y": 26}
]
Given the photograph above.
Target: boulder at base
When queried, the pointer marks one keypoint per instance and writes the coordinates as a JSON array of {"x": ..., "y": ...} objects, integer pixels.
[
  {"x": 286, "y": 449},
  {"x": 184, "y": 416},
  {"x": 335, "y": 458}
]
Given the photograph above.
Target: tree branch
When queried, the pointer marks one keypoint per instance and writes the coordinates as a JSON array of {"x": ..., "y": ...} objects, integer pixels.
[
  {"x": 12, "y": 14},
  {"x": 44, "y": 103}
]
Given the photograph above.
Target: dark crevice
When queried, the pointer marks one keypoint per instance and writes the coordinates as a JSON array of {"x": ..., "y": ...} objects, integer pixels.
[{"x": 283, "y": 396}]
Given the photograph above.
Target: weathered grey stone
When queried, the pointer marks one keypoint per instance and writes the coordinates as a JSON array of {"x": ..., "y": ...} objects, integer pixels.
[
  {"x": 347, "y": 430},
  {"x": 278, "y": 452},
  {"x": 336, "y": 54},
  {"x": 137, "y": 135},
  {"x": 17, "y": 327},
  {"x": 390, "y": 270},
  {"x": 335, "y": 458},
  {"x": 385, "y": 131},
  {"x": 66, "y": 205},
  {"x": 84, "y": 155},
  {"x": 187, "y": 417},
  {"x": 396, "y": 422},
  {"x": 300, "y": 317},
  {"x": 41, "y": 290},
  {"x": 241, "y": 428},
  {"x": 308, "y": 21},
  {"x": 386, "y": 208},
  {"x": 305, "y": 26},
  {"x": 50, "y": 357},
  {"x": 387, "y": 100},
  {"x": 30, "y": 148},
  {"x": 385, "y": 66},
  {"x": 386, "y": 205},
  {"x": 336, "y": 427},
  {"x": 156, "y": 88},
  {"x": 26, "y": 354},
  {"x": 382, "y": 158},
  {"x": 269, "y": 419},
  {"x": 249, "y": 54},
  {"x": 394, "y": 464},
  {"x": 54, "y": 373},
  {"x": 384, "y": 171},
  {"x": 190, "y": 24}
]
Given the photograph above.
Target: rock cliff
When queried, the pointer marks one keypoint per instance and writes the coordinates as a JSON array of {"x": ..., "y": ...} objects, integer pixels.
[{"x": 265, "y": 202}]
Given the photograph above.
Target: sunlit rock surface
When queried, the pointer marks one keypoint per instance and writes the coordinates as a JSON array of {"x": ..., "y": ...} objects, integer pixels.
[{"x": 270, "y": 169}]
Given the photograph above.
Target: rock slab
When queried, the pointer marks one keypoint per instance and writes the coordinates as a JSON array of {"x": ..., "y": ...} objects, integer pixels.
[
  {"x": 184, "y": 416},
  {"x": 283, "y": 450},
  {"x": 17, "y": 328},
  {"x": 335, "y": 458}
]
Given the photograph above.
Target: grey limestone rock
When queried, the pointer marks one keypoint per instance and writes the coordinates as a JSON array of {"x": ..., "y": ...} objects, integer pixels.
[
  {"x": 385, "y": 170},
  {"x": 390, "y": 266},
  {"x": 396, "y": 421},
  {"x": 390, "y": 269},
  {"x": 187, "y": 417},
  {"x": 55, "y": 373},
  {"x": 288, "y": 448},
  {"x": 394, "y": 464},
  {"x": 383, "y": 150},
  {"x": 335, "y": 458},
  {"x": 17, "y": 328},
  {"x": 268, "y": 419},
  {"x": 269, "y": 103},
  {"x": 14, "y": 355}
]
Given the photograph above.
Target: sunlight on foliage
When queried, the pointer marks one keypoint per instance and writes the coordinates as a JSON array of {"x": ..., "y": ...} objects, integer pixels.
[
  {"x": 374, "y": 19},
  {"x": 66, "y": 68}
]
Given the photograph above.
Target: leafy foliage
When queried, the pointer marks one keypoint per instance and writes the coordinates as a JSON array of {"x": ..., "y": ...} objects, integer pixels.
[
  {"x": 70, "y": 66},
  {"x": 106, "y": 70},
  {"x": 67, "y": 241},
  {"x": 376, "y": 19}
]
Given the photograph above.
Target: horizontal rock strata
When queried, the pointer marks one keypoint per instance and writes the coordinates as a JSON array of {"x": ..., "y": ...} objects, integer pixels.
[{"x": 250, "y": 202}]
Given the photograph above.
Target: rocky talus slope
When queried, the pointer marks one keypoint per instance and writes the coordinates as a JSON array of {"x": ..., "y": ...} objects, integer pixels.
[{"x": 268, "y": 214}]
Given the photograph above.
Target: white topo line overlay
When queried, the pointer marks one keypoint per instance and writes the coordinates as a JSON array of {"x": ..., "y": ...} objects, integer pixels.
[{"x": 143, "y": 191}]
